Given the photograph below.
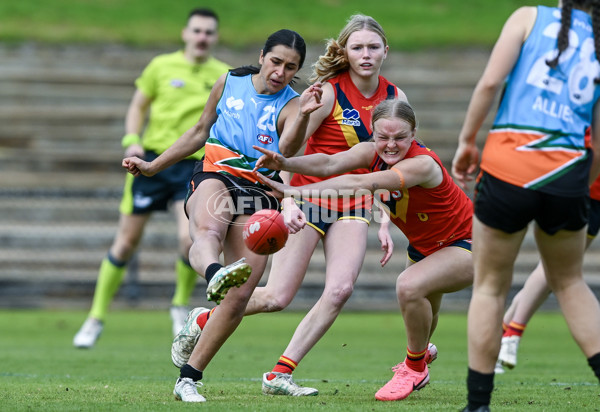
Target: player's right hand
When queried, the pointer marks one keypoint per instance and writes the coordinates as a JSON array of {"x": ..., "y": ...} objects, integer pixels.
[
  {"x": 136, "y": 166},
  {"x": 269, "y": 160}
]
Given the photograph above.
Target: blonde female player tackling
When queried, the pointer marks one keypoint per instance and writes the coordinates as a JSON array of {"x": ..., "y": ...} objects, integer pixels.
[{"x": 425, "y": 203}]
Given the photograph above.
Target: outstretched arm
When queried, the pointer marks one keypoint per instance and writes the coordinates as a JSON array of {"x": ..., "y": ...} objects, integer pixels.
[
  {"x": 319, "y": 164},
  {"x": 189, "y": 143},
  {"x": 418, "y": 170}
]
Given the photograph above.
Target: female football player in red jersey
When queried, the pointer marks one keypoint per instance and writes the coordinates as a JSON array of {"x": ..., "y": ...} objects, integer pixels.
[
  {"x": 424, "y": 202},
  {"x": 352, "y": 87}
]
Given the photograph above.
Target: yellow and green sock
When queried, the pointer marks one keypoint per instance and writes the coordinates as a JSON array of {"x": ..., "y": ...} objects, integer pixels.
[
  {"x": 185, "y": 282},
  {"x": 109, "y": 280}
]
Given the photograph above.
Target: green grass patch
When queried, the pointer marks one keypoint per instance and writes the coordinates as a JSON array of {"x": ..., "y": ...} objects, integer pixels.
[
  {"x": 410, "y": 25},
  {"x": 130, "y": 368}
]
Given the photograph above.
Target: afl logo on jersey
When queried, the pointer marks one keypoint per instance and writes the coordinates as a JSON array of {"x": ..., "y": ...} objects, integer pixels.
[{"x": 264, "y": 139}]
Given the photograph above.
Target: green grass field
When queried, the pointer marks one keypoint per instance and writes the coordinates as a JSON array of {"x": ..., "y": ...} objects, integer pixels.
[
  {"x": 409, "y": 25},
  {"x": 130, "y": 368}
]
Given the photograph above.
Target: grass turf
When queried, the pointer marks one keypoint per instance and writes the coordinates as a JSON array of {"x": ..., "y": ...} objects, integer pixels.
[
  {"x": 130, "y": 367},
  {"x": 409, "y": 25}
]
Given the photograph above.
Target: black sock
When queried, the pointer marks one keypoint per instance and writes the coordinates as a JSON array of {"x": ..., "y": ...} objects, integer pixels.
[
  {"x": 594, "y": 363},
  {"x": 114, "y": 261},
  {"x": 211, "y": 270},
  {"x": 479, "y": 386},
  {"x": 188, "y": 371}
]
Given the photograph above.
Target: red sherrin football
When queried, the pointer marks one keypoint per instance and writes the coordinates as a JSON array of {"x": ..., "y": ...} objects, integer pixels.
[{"x": 265, "y": 232}]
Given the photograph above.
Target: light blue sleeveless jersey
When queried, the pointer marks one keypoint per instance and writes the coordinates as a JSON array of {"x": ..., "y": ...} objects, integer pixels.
[
  {"x": 559, "y": 99},
  {"x": 246, "y": 118},
  {"x": 538, "y": 137}
]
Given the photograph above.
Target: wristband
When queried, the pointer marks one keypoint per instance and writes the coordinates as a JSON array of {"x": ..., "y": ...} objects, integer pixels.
[
  {"x": 400, "y": 175},
  {"x": 130, "y": 139}
]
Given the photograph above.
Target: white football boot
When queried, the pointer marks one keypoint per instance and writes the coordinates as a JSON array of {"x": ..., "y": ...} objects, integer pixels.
[
  {"x": 283, "y": 384},
  {"x": 88, "y": 333},
  {"x": 187, "y": 390},
  {"x": 508, "y": 351},
  {"x": 185, "y": 340}
]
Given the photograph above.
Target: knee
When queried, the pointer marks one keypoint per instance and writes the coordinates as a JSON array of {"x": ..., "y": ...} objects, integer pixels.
[
  {"x": 274, "y": 306},
  {"x": 266, "y": 301},
  {"x": 233, "y": 309},
  {"x": 407, "y": 291},
  {"x": 338, "y": 295},
  {"x": 276, "y": 303}
]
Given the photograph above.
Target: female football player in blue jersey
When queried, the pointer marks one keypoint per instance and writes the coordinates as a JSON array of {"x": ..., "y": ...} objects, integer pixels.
[
  {"x": 536, "y": 166},
  {"x": 248, "y": 106}
]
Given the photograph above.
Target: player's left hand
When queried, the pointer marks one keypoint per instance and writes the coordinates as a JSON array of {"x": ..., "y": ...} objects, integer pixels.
[
  {"x": 293, "y": 216},
  {"x": 310, "y": 99}
]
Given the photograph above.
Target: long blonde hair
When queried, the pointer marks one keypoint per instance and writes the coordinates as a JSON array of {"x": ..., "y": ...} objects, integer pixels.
[{"x": 334, "y": 60}]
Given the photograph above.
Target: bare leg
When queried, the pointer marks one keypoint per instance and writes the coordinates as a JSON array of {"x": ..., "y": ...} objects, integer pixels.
[
  {"x": 494, "y": 254},
  {"x": 184, "y": 239},
  {"x": 345, "y": 245},
  {"x": 212, "y": 233},
  {"x": 288, "y": 269},
  {"x": 129, "y": 234},
  {"x": 525, "y": 303},
  {"x": 185, "y": 277},
  {"x": 420, "y": 288},
  {"x": 534, "y": 292},
  {"x": 562, "y": 256},
  {"x": 224, "y": 321}
]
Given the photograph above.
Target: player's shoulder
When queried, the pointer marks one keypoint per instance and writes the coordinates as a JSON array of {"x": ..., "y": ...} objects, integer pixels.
[{"x": 523, "y": 16}]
